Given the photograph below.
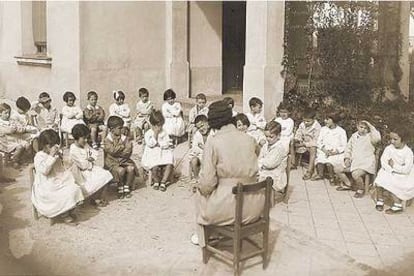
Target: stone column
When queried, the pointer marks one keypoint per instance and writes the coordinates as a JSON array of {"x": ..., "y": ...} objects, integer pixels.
[
  {"x": 404, "y": 58},
  {"x": 264, "y": 54},
  {"x": 177, "y": 67}
]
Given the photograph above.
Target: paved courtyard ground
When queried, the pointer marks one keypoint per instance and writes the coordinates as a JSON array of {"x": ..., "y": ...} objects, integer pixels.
[{"x": 319, "y": 231}]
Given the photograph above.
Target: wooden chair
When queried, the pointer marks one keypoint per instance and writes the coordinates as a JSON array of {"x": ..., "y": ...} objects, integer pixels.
[
  {"x": 238, "y": 232},
  {"x": 64, "y": 136}
]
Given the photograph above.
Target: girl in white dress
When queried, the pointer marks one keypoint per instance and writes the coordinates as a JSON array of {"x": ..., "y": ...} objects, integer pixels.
[
  {"x": 396, "y": 174},
  {"x": 158, "y": 154},
  {"x": 91, "y": 178},
  {"x": 71, "y": 114},
  {"x": 120, "y": 109},
  {"x": 54, "y": 190},
  {"x": 360, "y": 156},
  {"x": 172, "y": 112},
  {"x": 330, "y": 150}
]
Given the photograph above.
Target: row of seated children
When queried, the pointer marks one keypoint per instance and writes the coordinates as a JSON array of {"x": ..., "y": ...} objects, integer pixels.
[
  {"x": 57, "y": 191},
  {"x": 330, "y": 150}
]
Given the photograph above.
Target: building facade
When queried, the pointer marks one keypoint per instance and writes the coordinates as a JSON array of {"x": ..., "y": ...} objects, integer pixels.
[{"x": 193, "y": 47}]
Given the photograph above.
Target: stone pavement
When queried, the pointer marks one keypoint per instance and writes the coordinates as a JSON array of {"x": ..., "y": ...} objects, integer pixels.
[{"x": 319, "y": 231}]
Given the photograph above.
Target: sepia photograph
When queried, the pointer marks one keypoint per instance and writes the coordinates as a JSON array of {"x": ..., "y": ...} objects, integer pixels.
[{"x": 206, "y": 138}]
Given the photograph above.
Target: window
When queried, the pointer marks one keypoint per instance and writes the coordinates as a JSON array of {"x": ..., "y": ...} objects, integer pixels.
[{"x": 39, "y": 26}]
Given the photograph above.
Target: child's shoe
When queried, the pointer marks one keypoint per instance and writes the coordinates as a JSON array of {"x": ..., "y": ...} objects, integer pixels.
[
  {"x": 156, "y": 186},
  {"x": 127, "y": 191},
  {"x": 121, "y": 192},
  {"x": 163, "y": 187}
]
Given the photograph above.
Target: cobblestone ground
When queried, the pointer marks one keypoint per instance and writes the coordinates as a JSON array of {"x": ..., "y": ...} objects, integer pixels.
[{"x": 319, "y": 231}]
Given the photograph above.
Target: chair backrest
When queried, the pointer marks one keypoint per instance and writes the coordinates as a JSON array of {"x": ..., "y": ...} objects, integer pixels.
[{"x": 242, "y": 189}]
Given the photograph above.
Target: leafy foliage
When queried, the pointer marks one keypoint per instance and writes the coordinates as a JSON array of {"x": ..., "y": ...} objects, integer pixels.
[{"x": 346, "y": 56}]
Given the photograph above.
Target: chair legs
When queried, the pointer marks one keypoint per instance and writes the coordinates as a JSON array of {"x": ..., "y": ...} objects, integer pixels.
[
  {"x": 206, "y": 254},
  {"x": 265, "y": 247},
  {"x": 236, "y": 256}
]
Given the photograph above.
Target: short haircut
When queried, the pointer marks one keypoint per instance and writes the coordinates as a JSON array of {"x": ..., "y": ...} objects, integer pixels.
[
  {"x": 201, "y": 96},
  {"x": 309, "y": 114},
  {"x": 44, "y": 94},
  {"x": 91, "y": 94},
  {"x": 143, "y": 92},
  {"x": 273, "y": 127},
  {"x": 4, "y": 107},
  {"x": 80, "y": 130},
  {"x": 255, "y": 101},
  {"x": 402, "y": 131},
  {"x": 68, "y": 95},
  {"x": 156, "y": 118},
  {"x": 48, "y": 137},
  {"x": 200, "y": 118},
  {"x": 118, "y": 94},
  {"x": 169, "y": 94},
  {"x": 283, "y": 106},
  {"x": 229, "y": 100},
  {"x": 115, "y": 121},
  {"x": 242, "y": 118},
  {"x": 334, "y": 116},
  {"x": 23, "y": 104}
]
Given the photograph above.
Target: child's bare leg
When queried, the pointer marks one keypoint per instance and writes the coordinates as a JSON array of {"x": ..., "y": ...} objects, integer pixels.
[
  {"x": 94, "y": 135},
  {"x": 155, "y": 178},
  {"x": 138, "y": 135},
  {"x": 346, "y": 182},
  {"x": 312, "y": 157},
  {"x": 292, "y": 151},
  {"x": 358, "y": 175},
  {"x": 120, "y": 179},
  {"x": 195, "y": 166},
  {"x": 168, "y": 169},
  {"x": 330, "y": 173},
  {"x": 320, "y": 169},
  {"x": 130, "y": 177}
]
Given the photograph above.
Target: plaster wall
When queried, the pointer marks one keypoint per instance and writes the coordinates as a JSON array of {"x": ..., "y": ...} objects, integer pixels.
[
  {"x": 122, "y": 46},
  {"x": 16, "y": 39},
  {"x": 205, "y": 47}
]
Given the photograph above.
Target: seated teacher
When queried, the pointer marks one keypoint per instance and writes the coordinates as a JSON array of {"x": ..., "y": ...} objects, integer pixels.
[{"x": 229, "y": 157}]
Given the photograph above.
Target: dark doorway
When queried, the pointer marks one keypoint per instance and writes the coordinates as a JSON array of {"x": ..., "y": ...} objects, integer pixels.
[{"x": 234, "y": 41}]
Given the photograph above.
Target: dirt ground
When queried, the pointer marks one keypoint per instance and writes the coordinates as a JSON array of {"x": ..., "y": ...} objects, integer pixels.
[{"x": 148, "y": 234}]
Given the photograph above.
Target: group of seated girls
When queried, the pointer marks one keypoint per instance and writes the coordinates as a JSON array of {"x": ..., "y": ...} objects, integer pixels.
[
  {"x": 346, "y": 162},
  {"x": 56, "y": 191}
]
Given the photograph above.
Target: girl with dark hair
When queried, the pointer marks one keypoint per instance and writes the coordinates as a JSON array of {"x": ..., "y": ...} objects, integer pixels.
[
  {"x": 71, "y": 114},
  {"x": 120, "y": 108},
  {"x": 331, "y": 145},
  {"x": 87, "y": 175},
  {"x": 158, "y": 154},
  {"x": 397, "y": 173},
  {"x": 54, "y": 191},
  {"x": 172, "y": 112}
]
